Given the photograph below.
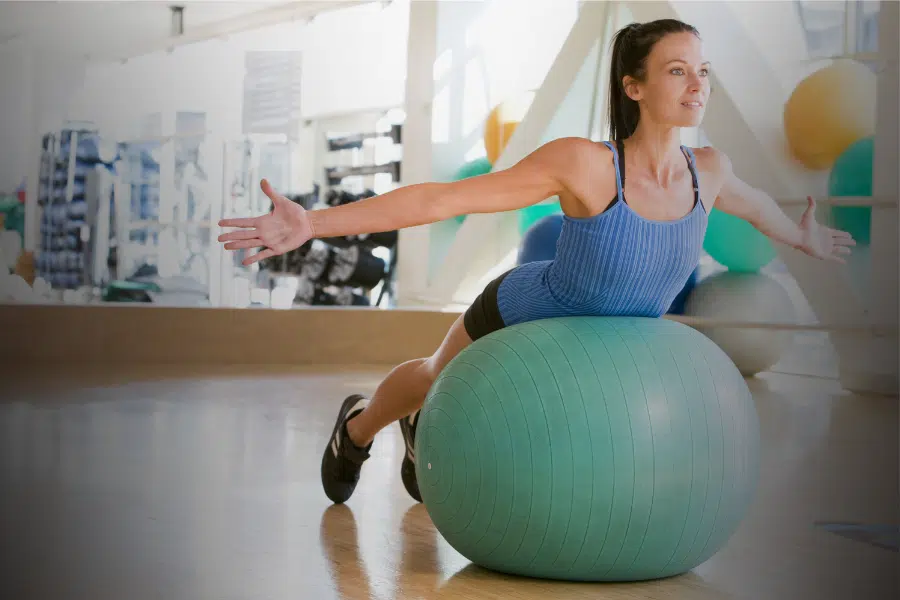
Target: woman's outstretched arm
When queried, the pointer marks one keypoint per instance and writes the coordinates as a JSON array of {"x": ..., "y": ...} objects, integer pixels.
[
  {"x": 758, "y": 208},
  {"x": 538, "y": 176}
]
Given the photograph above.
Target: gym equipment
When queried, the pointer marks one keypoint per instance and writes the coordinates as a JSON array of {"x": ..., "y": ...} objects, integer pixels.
[
  {"x": 501, "y": 123},
  {"x": 335, "y": 175},
  {"x": 829, "y": 110},
  {"x": 746, "y": 297},
  {"x": 539, "y": 240},
  {"x": 356, "y": 267},
  {"x": 589, "y": 449},
  {"x": 355, "y": 140},
  {"x": 736, "y": 244},
  {"x": 851, "y": 175}
]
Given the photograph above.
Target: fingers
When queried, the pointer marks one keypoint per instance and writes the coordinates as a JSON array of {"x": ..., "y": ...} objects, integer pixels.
[
  {"x": 244, "y": 234},
  {"x": 842, "y": 237},
  {"x": 267, "y": 189},
  {"x": 261, "y": 255},
  {"x": 842, "y": 250},
  {"x": 239, "y": 222},
  {"x": 244, "y": 244}
]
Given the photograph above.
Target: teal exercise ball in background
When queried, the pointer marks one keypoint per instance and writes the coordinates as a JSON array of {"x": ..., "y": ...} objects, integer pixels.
[
  {"x": 530, "y": 215},
  {"x": 589, "y": 449},
  {"x": 736, "y": 244},
  {"x": 851, "y": 175}
]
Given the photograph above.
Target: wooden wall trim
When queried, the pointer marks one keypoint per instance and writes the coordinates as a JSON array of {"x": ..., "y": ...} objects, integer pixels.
[{"x": 134, "y": 333}]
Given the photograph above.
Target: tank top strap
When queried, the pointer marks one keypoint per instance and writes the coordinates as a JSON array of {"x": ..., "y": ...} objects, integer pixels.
[
  {"x": 692, "y": 166},
  {"x": 620, "y": 169}
]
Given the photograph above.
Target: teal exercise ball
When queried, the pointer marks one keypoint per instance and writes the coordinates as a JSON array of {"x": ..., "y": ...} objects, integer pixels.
[
  {"x": 736, "y": 244},
  {"x": 588, "y": 449},
  {"x": 530, "y": 215},
  {"x": 851, "y": 175}
]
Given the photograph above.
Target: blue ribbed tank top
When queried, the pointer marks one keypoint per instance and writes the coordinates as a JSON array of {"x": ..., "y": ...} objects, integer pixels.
[{"x": 616, "y": 263}]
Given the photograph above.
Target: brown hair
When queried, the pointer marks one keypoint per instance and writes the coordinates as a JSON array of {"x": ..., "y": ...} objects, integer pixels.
[{"x": 631, "y": 46}]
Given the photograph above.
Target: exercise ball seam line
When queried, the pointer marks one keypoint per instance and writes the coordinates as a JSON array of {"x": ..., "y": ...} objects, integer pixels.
[
  {"x": 537, "y": 552},
  {"x": 442, "y": 500},
  {"x": 691, "y": 478},
  {"x": 633, "y": 453},
  {"x": 715, "y": 519},
  {"x": 447, "y": 495},
  {"x": 652, "y": 467},
  {"x": 465, "y": 458},
  {"x": 612, "y": 447},
  {"x": 544, "y": 412},
  {"x": 652, "y": 443},
  {"x": 721, "y": 483},
  {"x": 591, "y": 446},
  {"x": 709, "y": 474},
  {"x": 571, "y": 445},
  {"x": 497, "y": 487},
  {"x": 708, "y": 454},
  {"x": 511, "y": 445},
  {"x": 612, "y": 362},
  {"x": 500, "y": 341}
]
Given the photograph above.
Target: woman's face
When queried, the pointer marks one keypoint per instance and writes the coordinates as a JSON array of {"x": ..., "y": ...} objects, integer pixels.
[{"x": 676, "y": 86}]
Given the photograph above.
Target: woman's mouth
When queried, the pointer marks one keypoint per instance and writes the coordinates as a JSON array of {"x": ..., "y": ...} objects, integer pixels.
[{"x": 692, "y": 104}]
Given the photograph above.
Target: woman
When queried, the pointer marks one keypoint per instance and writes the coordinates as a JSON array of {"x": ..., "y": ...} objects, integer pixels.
[{"x": 627, "y": 246}]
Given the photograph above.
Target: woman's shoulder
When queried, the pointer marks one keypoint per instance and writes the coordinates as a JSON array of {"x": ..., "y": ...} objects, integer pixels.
[
  {"x": 711, "y": 160},
  {"x": 587, "y": 171},
  {"x": 578, "y": 158}
]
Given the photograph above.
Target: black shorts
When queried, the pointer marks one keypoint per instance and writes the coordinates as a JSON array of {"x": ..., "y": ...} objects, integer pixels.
[{"x": 483, "y": 317}]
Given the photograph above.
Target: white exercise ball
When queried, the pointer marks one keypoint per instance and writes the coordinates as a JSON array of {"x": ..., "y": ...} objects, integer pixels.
[
  {"x": 15, "y": 290},
  {"x": 745, "y": 297}
]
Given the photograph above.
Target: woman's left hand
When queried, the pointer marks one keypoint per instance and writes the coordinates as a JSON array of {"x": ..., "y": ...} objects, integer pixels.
[{"x": 822, "y": 242}]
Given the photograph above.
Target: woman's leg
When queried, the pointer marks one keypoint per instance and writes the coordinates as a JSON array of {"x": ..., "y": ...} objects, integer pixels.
[
  {"x": 403, "y": 391},
  {"x": 399, "y": 395}
]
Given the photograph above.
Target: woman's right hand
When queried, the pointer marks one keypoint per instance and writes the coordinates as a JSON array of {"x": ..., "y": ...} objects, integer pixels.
[{"x": 285, "y": 228}]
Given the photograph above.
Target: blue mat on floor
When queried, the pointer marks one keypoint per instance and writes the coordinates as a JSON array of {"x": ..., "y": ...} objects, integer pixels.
[{"x": 881, "y": 536}]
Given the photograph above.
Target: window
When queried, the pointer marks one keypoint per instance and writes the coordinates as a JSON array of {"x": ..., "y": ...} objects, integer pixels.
[{"x": 840, "y": 27}]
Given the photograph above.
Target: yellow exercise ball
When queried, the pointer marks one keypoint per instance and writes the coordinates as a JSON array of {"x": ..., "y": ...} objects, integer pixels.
[
  {"x": 829, "y": 110},
  {"x": 502, "y": 122}
]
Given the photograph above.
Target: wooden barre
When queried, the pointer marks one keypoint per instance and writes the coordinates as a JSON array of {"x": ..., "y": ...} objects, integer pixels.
[
  {"x": 845, "y": 328},
  {"x": 873, "y": 201}
]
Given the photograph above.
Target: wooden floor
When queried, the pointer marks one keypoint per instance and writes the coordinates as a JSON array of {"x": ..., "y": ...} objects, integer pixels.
[{"x": 181, "y": 484}]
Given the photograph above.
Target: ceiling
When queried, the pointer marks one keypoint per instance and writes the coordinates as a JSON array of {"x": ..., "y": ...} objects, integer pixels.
[{"x": 102, "y": 30}]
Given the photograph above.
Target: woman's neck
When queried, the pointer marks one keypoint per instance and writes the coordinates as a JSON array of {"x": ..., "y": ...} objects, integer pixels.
[{"x": 655, "y": 152}]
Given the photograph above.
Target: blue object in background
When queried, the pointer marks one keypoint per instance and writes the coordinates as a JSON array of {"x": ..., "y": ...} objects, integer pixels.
[
  {"x": 678, "y": 303},
  {"x": 539, "y": 241}
]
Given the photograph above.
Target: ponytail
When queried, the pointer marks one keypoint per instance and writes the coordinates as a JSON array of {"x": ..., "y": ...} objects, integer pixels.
[
  {"x": 631, "y": 46},
  {"x": 624, "y": 112}
]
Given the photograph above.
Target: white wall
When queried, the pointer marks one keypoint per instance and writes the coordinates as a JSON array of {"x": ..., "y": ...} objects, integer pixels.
[
  {"x": 488, "y": 52},
  {"x": 353, "y": 60},
  {"x": 13, "y": 128}
]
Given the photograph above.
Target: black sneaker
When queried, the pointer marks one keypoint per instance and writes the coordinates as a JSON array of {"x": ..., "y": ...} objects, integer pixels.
[
  {"x": 342, "y": 459},
  {"x": 408, "y": 468}
]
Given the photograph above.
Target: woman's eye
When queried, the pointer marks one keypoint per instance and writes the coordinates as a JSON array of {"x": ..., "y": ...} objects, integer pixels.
[
  {"x": 677, "y": 71},
  {"x": 704, "y": 72}
]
